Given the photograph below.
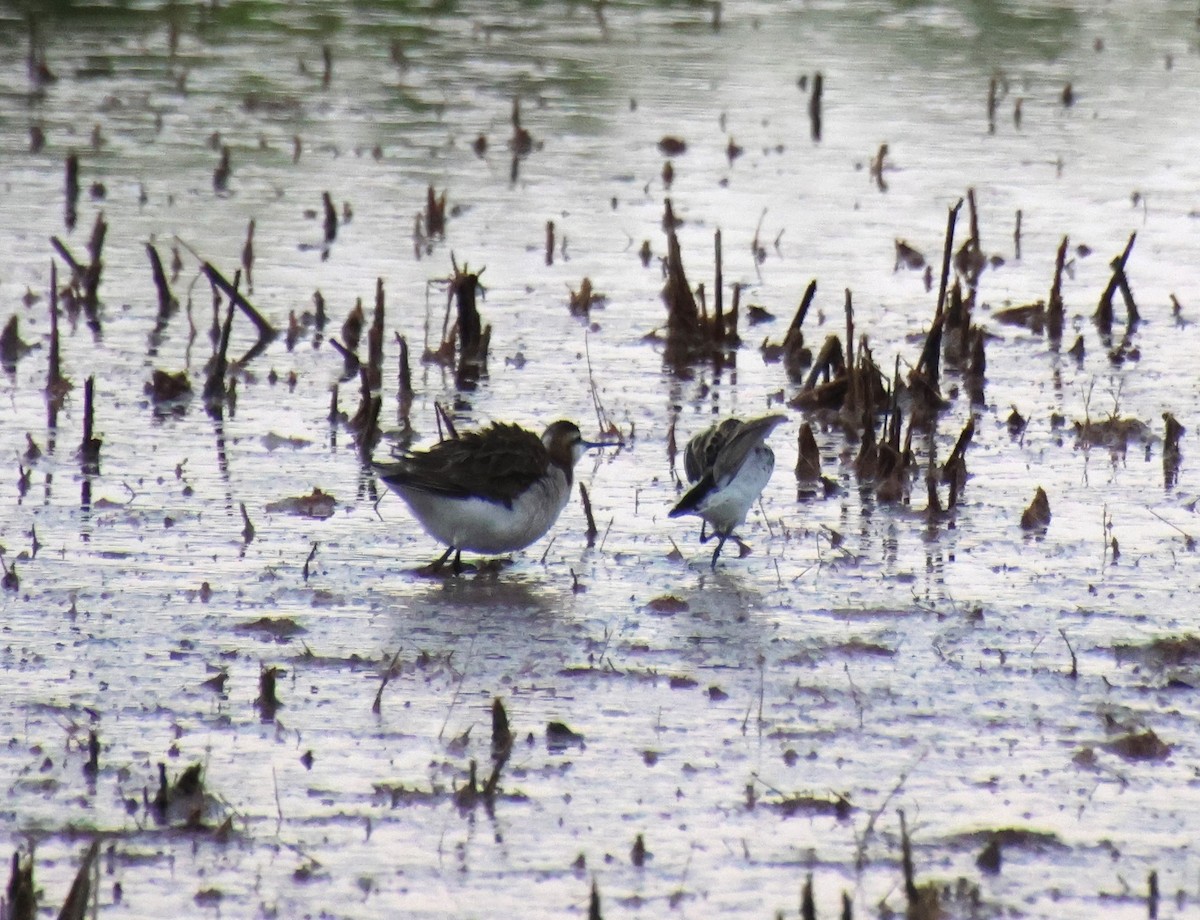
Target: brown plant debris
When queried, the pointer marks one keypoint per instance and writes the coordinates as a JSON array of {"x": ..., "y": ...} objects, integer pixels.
[
  {"x": 1104, "y": 311},
  {"x": 1165, "y": 652},
  {"x": 560, "y": 736},
  {"x": 668, "y": 605},
  {"x": 267, "y": 702},
  {"x": 638, "y": 853},
  {"x": 1037, "y": 515},
  {"x": 1139, "y": 746},
  {"x": 583, "y": 300},
  {"x": 280, "y": 629},
  {"x": 12, "y": 348},
  {"x": 1114, "y": 432},
  {"x": 316, "y": 504},
  {"x": 672, "y": 146},
  {"x": 808, "y": 459},
  {"x": 163, "y": 386},
  {"x": 796, "y": 358},
  {"x": 908, "y": 257},
  {"x": 75, "y": 907}
]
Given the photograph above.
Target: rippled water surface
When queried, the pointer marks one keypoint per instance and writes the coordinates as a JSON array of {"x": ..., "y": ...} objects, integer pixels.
[{"x": 756, "y": 725}]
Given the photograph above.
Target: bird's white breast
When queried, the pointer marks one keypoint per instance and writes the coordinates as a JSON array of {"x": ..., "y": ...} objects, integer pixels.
[
  {"x": 482, "y": 526},
  {"x": 726, "y": 505}
]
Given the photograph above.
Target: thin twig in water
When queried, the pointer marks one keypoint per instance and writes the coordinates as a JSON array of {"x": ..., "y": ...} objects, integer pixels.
[
  {"x": 387, "y": 676},
  {"x": 602, "y": 420},
  {"x": 1074, "y": 673},
  {"x": 860, "y": 851},
  {"x": 457, "y": 690}
]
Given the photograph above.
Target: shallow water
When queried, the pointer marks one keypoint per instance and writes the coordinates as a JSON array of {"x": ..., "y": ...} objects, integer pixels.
[{"x": 912, "y": 666}]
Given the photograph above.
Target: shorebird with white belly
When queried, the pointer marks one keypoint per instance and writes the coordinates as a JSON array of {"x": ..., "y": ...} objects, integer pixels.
[
  {"x": 491, "y": 491},
  {"x": 729, "y": 465}
]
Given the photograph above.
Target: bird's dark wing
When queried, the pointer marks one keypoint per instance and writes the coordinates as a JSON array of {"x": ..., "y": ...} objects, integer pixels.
[
  {"x": 693, "y": 496},
  {"x": 740, "y": 444},
  {"x": 703, "y": 448},
  {"x": 496, "y": 463}
]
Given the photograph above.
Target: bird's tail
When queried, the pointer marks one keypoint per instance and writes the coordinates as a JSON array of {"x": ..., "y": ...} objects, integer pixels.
[{"x": 692, "y": 497}]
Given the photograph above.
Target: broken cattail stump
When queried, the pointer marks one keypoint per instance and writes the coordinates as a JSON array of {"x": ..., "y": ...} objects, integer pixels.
[
  {"x": 75, "y": 907},
  {"x": 521, "y": 142},
  {"x": 866, "y": 464},
  {"x": 266, "y": 332},
  {"x": 435, "y": 213},
  {"x": 327, "y": 60},
  {"x": 21, "y": 903},
  {"x": 1037, "y": 515},
  {"x": 808, "y": 908},
  {"x": 502, "y": 736},
  {"x": 248, "y": 256},
  {"x": 267, "y": 703},
  {"x": 685, "y": 330},
  {"x": 591, "y": 531},
  {"x": 370, "y": 434},
  {"x": 877, "y": 166},
  {"x": 222, "y": 172},
  {"x": 933, "y": 503},
  {"x": 808, "y": 461},
  {"x": 989, "y": 859},
  {"x": 57, "y": 386},
  {"x": 954, "y": 471},
  {"x": 910, "y": 885},
  {"x": 929, "y": 363},
  {"x": 78, "y": 269},
  {"x": 1054, "y": 309},
  {"x": 72, "y": 189},
  {"x": 12, "y": 346},
  {"x": 993, "y": 86},
  {"x": 292, "y": 336},
  {"x": 957, "y": 325},
  {"x": 351, "y": 365},
  {"x": 549, "y": 242},
  {"x": 814, "y": 106},
  {"x": 847, "y": 906},
  {"x": 92, "y": 766},
  {"x": 319, "y": 316},
  {"x": 594, "y": 903},
  {"x": 1104, "y": 311},
  {"x": 1152, "y": 895},
  {"x": 719, "y": 331},
  {"x": 1171, "y": 456},
  {"x": 247, "y": 527},
  {"x": 1017, "y": 238},
  {"x": 353, "y": 326},
  {"x": 404, "y": 390},
  {"x": 331, "y": 219},
  {"x": 795, "y": 356},
  {"x": 333, "y": 403},
  {"x": 167, "y": 304},
  {"x": 638, "y": 852},
  {"x": 852, "y": 405},
  {"x": 91, "y": 275},
  {"x": 89, "y": 447},
  {"x": 214, "y": 384},
  {"x": 375, "y": 340},
  {"x": 947, "y": 255}
]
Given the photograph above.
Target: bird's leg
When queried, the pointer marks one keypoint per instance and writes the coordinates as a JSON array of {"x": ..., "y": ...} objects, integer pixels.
[
  {"x": 717, "y": 551},
  {"x": 436, "y": 565},
  {"x": 705, "y": 537}
]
